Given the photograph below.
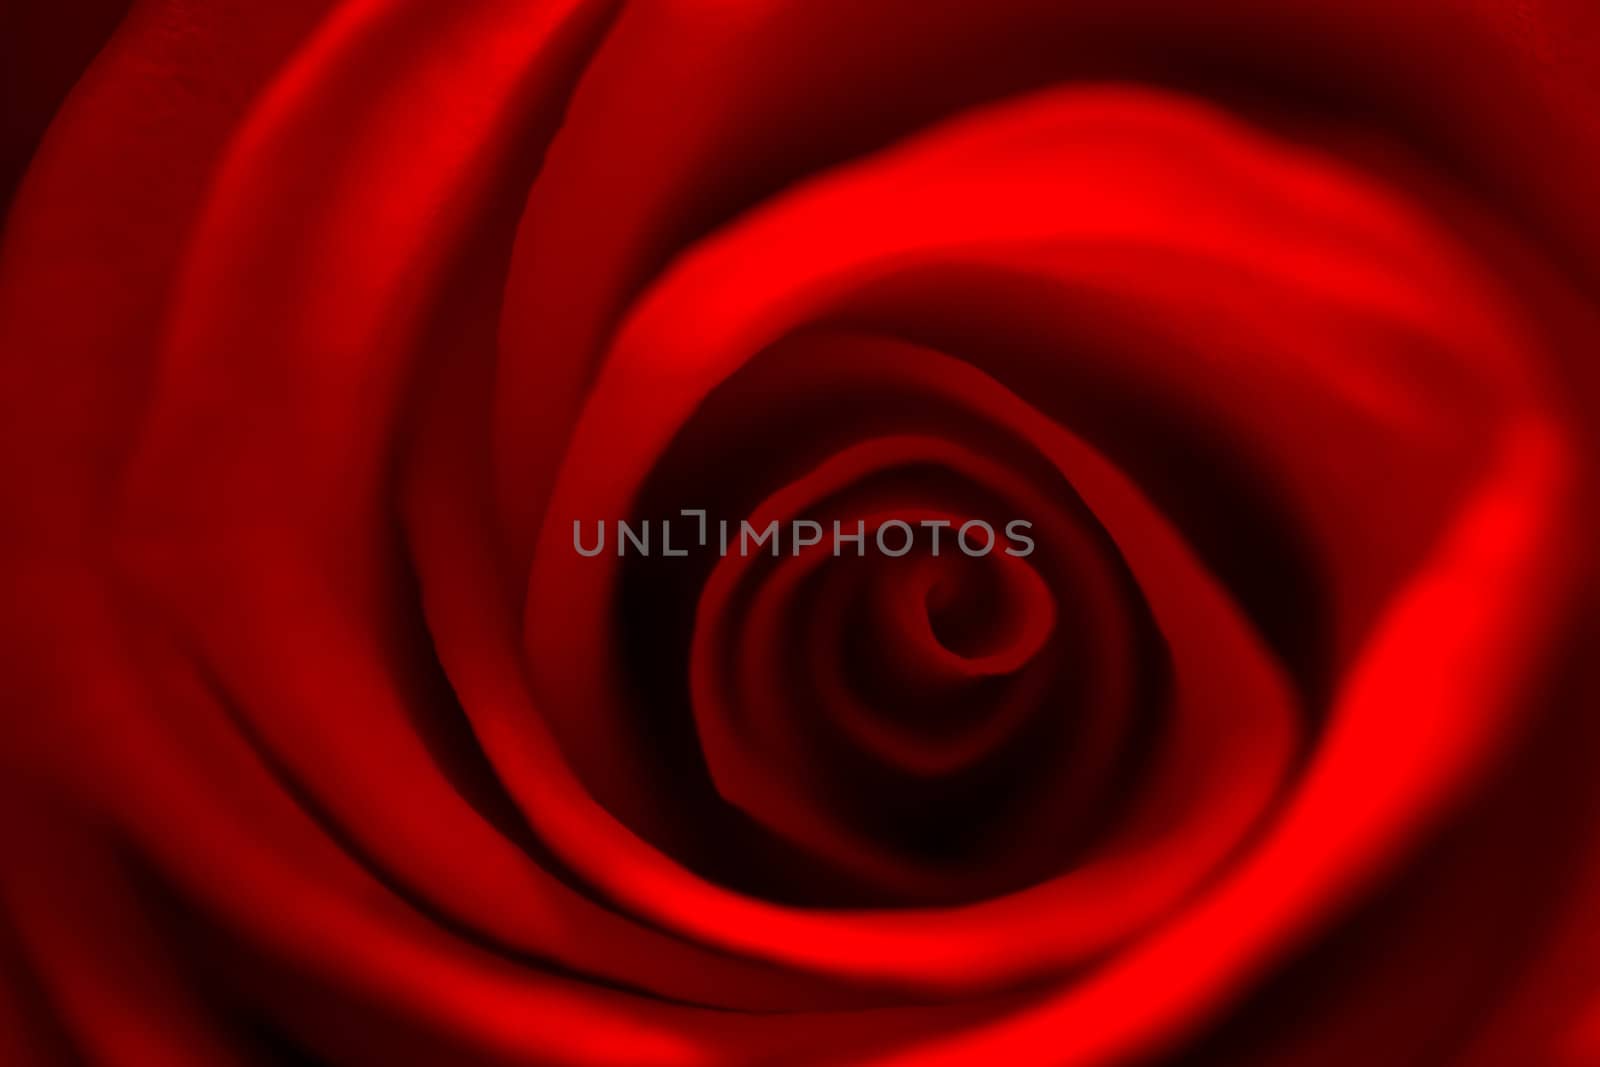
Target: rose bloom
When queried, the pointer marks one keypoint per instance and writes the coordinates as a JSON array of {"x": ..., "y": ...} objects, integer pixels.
[{"x": 325, "y": 323}]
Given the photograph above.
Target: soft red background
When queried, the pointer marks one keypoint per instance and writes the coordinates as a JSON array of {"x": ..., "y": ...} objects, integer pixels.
[{"x": 319, "y": 322}]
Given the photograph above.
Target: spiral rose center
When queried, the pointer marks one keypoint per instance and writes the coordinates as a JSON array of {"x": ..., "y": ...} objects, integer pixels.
[{"x": 992, "y": 616}]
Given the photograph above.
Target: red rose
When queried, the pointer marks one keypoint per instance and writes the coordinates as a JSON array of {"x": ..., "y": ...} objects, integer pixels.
[{"x": 476, "y": 475}]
